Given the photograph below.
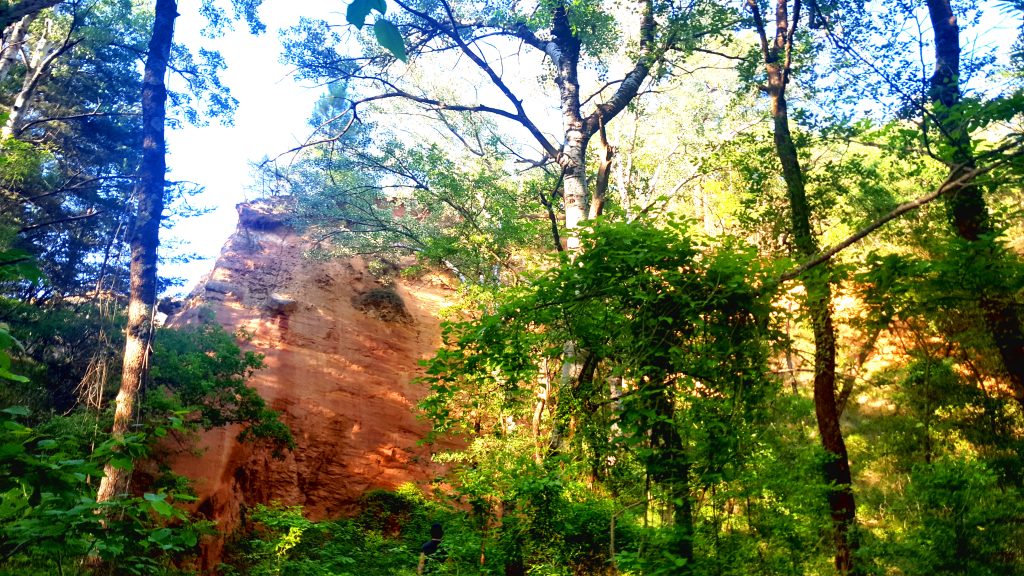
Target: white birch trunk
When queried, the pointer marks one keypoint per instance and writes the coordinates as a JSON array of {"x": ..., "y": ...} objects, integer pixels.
[{"x": 15, "y": 39}]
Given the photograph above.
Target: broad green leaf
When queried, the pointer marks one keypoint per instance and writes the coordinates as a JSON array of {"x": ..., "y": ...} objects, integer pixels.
[
  {"x": 390, "y": 38},
  {"x": 122, "y": 462},
  {"x": 162, "y": 508},
  {"x": 380, "y": 6},
  {"x": 14, "y": 377},
  {"x": 16, "y": 411},
  {"x": 357, "y": 12}
]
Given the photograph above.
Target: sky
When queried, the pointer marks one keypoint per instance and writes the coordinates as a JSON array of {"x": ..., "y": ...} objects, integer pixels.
[{"x": 271, "y": 117}]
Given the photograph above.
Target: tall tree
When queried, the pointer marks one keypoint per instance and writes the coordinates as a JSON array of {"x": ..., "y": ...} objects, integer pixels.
[
  {"x": 145, "y": 238},
  {"x": 968, "y": 212},
  {"x": 568, "y": 35},
  {"x": 777, "y": 52}
]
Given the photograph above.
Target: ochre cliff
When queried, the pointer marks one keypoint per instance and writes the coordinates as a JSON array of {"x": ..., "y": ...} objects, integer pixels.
[{"x": 341, "y": 350}]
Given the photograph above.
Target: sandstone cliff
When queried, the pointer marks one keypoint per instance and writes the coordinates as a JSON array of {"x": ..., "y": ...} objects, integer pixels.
[{"x": 341, "y": 350}]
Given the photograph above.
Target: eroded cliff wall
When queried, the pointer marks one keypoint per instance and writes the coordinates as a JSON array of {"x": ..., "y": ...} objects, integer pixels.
[{"x": 341, "y": 350}]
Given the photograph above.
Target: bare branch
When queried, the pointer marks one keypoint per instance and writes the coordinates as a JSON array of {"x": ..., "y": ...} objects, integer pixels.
[
  {"x": 76, "y": 117},
  {"x": 520, "y": 115}
]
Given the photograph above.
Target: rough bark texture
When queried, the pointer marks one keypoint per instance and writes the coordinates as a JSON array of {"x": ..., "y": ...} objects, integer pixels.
[
  {"x": 837, "y": 473},
  {"x": 563, "y": 49},
  {"x": 966, "y": 207},
  {"x": 145, "y": 237}
]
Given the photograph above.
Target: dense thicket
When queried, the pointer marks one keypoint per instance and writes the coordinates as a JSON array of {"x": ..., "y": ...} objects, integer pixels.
[{"x": 740, "y": 286}]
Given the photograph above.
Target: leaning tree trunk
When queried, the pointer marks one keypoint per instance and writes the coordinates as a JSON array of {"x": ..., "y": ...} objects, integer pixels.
[
  {"x": 966, "y": 206},
  {"x": 145, "y": 238},
  {"x": 777, "y": 53}
]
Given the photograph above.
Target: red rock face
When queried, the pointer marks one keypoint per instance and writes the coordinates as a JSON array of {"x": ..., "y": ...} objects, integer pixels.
[{"x": 340, "y": 352}]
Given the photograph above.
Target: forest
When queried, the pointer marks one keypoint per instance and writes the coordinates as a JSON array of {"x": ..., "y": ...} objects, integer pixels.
[{"x": 738, "y": 287}]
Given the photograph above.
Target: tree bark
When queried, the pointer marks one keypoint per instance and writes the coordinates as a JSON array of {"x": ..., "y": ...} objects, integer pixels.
[
  {"x": 777, "y": 58},
  {"x": 12, "y": 43},
  {"x": 966, "y": 208},
  {"x": 44, "y": 54},
  {"x": 819, "y": 304},
  {"x": 564, "y": 52},
  {"x": 145, "y": 237},
  {"x": 11, "y": 13}
]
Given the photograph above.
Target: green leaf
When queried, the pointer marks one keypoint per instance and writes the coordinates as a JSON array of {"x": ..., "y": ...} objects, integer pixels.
[
  {"x": 159, "y": 506},
  {"x": 11, "y": 376},
  {"x": 358, "y": 10},
  {"x": 122, "y": 462},
  {"x": 390, "y": 38},
  {"x": 380, "y": 6},
  {"x": 16, "y": 411}
]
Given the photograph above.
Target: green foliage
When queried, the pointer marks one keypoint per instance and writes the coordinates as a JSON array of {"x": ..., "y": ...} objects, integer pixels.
[
  {"x": 383, "y": 540},
  {"x": 459, "y": 212},
  {"x": 390, "y": 38},
  {"x": 201, "y": 371},
  {"x": 952, "y": 524},
  {"x": 544, "y": 523},
  {"x": 682, "y": 322},
  {"x": 50, "y": 521},
  {"x": 7, "y": 342},
  {"x": 384, "y": 30}
]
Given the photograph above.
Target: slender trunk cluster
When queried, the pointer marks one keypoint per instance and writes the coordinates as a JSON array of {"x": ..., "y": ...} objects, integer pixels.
[{"x": 145, "y": 237}]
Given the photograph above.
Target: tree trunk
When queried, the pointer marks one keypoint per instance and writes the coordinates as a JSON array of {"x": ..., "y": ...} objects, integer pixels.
[
  {"x": 43, "y": 55},
  {"x": 574, "y": 186},
  {"x": 11, "y": 13},
  {"x": 819, "y": 303},
  {"x": 12, "y": 44},
  {"x": 966, "y": 207},
  {"x": 145, "y": 237},
  {"x": 564, "y": 52},
  {"x": 777, "y": 52},
  {"x": 600, "y": 195}
]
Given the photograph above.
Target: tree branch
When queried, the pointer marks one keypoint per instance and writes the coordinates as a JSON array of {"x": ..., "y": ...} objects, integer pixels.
[
  {"x": 954, "y": 182},
  {"x": 520, "y": 114}
]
